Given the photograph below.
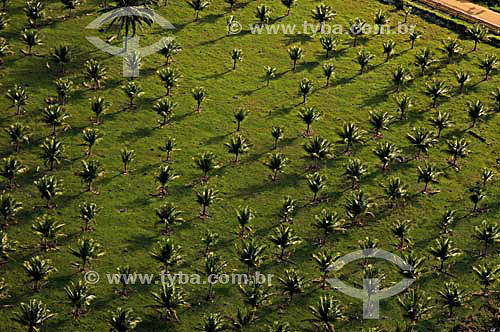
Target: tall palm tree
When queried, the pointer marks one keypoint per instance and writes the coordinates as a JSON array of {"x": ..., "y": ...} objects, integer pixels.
[
  {"x": 477, "y": 33},
  {"x": 251, "y": 254},
  {"x": 364, "y": 58},
  {"x": 424, "y": 59},
  {"x": 488, "y": 64},
  {"x": 326, "y": 314},
  {"x": 79, "y": 295},
  {"x": 206, "y": 197},
  {"x": 462, "y": 78},
  {"x": 239, "y": 117},
  {"x": 452, "y": 296},
  {"x": 236, "y": 56},
  {"x": 11, "y": 168},
  {"x": 91, "y": 170},
  {"x": 277, "y": 161},
  {"x": 292, "y": 282},
  {"x": 354, "y": 170},
  {"x": 199, "y": 95},
  {"x": 386, "y": 153},
  {"x": 95, "y": 74},
  {"x": 457, "y": 148},
  {"x": 324, "y": 260},
  {"x": 329, "y": 43},
  {"x": 328, "y": 72},
  {"x": 357, "y": 206},
  {"x": 168, "y": 215},
  {"x": 322, "y": 13},
  {"x": 422, "y": 139},
  {"x": 9, "y": 207},
  {"x": 48, "y": 187},
  {"x": 168, "y": 301},
  {"x": 404, "y": 103},
  {"x": 18, "y": 98},
  {"x": 237, "y": 145},
  {"x": 487, "y": 233},
  {"x": 87, "y": 250},
  {"x": 451, "y": 47},
  {"x": 18, "y": 134},
  {"x": 441, "y": 122},
  {"x": 308, "y": 115},
  {"x": 436, "y": 90},
  {"x": 164, "y": 177},
  {"x": 170, "y": 78},
  {"x": 32, "y": 315},
  {"x": 416, "y": 305},
  {"x": 295, "y": 54},
  {"x": 316, "y": 183},
  {"x": 319, "y": 150},
  {"x": 62, "y": 55},
  {"x": 198, "y": 6},
  {"x": 476, "y": 112},
  {"x": 123, "y": 320},
  {"x": 284, "y": 238},
  {"x": 167, "y": 253},
  {"x": 49, "y": 231},
  {"x": 38, "y": 270},
  {"x": 443, "y": 250}
]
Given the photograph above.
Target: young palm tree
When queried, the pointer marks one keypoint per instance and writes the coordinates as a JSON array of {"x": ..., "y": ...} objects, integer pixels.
[
  {"x": 326, "y": 314},
  {"x": 164, "y": 108},
  {"x": 170, "y": 78},
  {"x": 90, "y": 171},
  {"x": 9, "y": 207},
  {"x": 496, "y": 98},
  {"x": 487, "y": 274},
  {"x": 486, "y": 176},
  {"x": 292, "y": 282},
  {"x": 329, "y": 43},
  {"x": 231, "y": 4},
  {"x": 18, "y": 134},
  {"x": 199, "y": 95},
  {"x": 356, "y": 29},
  {"x": 95, "y": 74},
  {"x": 212, "y": 322},
  {"x": 277, "y": 133},
  {"x": 31, "y": 38},
  {"x": 350, "y": 135},
  {"x": 4, "y": 290},
  {"x": 380, "y": 121},
  {"x": 316, "y": 183},
  {"x": 54, "y": 116},
  {"x": 380, "y": 20},
  {"x": 287, "y": 210},
  {"x": 168, "y": 301},
  {"x": 451, "y": 47},
  {"x": 49, "y": 230},
  {"x": 169, "y": 148},
  {"x": 64, "y": 89},
  {"x": 70, "y": 5},
  {"x": 52, "y": 152},
  {"x": 424, "y": 59},
  {"x": 443, "y": 250},
  {"x": 288, "y": 4},
  {"x": 251, "y": 254},
  {"x": 488, "y": 234},
  {"x": 354, "y": 170},
  {"x": 206, "y": 161},
  {"x": 400, "y": 77},
  {"x": 263, "y": 13},
  {"x": 169, "y": 49},
  {"x": 18, "y": 98},
  {"x": 38, "y": 270},
  {"x": 123, "y": 320},
  {"x": 127, "y": 156},
  {"x": 210, "y": 239},
  {"x": 416, "y": 263},
  {"x": 167, "y": 253},
  {"x": 416, "y": 305},
  {"x": 90, "y": 137},
  {"x": 441, "y": 122},
  {"x": 414, "y": 35},
  {"x": 387, "y": 153},
  {"x": 488, "y": 64},
  {"x": 32, "y": 315},
  {"x": 308, "y": 115},
  {"x": 205, "y": 198},
  {"x": 6, "y": 246},
  {"x": 404, "y": 102},
  {"x": 319, "y": 150},
  {"x": 428, "y": 174},
  {"x": 324, "y": 261},
  {"x": 396, "y": 191},
  {"x": 49, "y": 187},
  {"x": 132, "y": 91},
  {"x": 270, "y": 72},
  {"x": 359, "y": 205},
  {"x": 322, "y": 13},
  {"x": 198, "y": 6},
  {"x": 243, "y": 319},
  {"x": 244, "y": 215},
  {"x": 10, "y": 169},
  {"x": 452, "y": 296},
  {"x": 462, "y": 78},
  {"x": 389, "y": 47},
  {"x": 284, "y": 238},
  {"x": 98, "y": 106},
  {"x": 79, "y": 296},
  {"x": 277, "y": 161},
  {"x": 239, "y": 117},
  {"x": 477, "y": 33},
  {"x": 295, "y": 54},
  {"x": 328, "y": 72},
  {"x": 457, "y": 148},
  {"x": 305, "y": 88},
  {"x": 214, "y": 267},
  {"x": 476, "y": 196},
  {"x": 447, "y": 220},
  {"x": 62, "y": 55},
  {"x": 400, "y": 230},
  {"x": 237, "y": 146},
  {"x": 88, "y": 213},
  {"x": 436, "y": 90},
  {"x": 364, "y": 58},
  {"x": 164, "y": 177},
  {"x": 168, "y": 215},
  {"x": 407, "y": 10},
  {"x": 236, "y": 56},
  {"x": 328, "y": 222},
  {"x": 422, "y": 139},
  {"x": 476, "y": 112}
]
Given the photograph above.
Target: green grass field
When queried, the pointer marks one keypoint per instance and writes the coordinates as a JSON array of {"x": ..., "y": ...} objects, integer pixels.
[{"x": 126, "y": 225}]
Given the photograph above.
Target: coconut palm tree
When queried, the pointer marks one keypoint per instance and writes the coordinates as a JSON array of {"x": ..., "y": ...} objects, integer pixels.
[
  {"x": 243, "y": 319},
  {"x": 477, "y": 33},
  {"x": 486, "y": 176},
  {"x": 292, "y": 282},
  {"x": 324, "y": 260},
  {"x": 263, "y": 13},
  {"x": 49, "y": 187},
  {"x": 270, "y": 72},
  {"x": 407, "y": 10},
  {"x": 380, "y": 121},
  {"x": 329, "y": 43},
  {"x": 364, "y": 58},
  {"x": 64, "y": 89},
  {"x": 52, "y": 152},
  {"x": 476, "y": 196},
  {"x": 462, "y": 78},
  {"x": 404, "y": 102},
  {"x": 54, "y": 116},
  {"x": 168, "y": 301},
  {"x": 169, "y": 49},
  {"x": 356, "y": 29},
  {"x": 239, "y": 117},
  {"x": 70, "y": 5},
  {"x": 88, "y": 213},
  {"x": 169, "y": 148},
  {"x": 447, "y": 220},
  {"x": 164, "y": 108},
  {"x": 415, "y": 304},
  {"x": 170, "y": 78},
  {"x": 164, "y": 177},
  {"x": 308, "y": 115},
  {"x": 79, "y": 295},
  {"x": 214, "y": 267},
  {"x": 6, "y": 246},
  {"x": 32, "y": 315},
  {"x": 476, "y": 112},
  {"x": 210, "y": 239},
  {"x": 487, "y": 274},
  {"x": 132, "y": 91},
  {"x": 206, "y": 161},
  {"x": 284, "y": 238},
  {"x": 123, "y": 320},
  {"x": 296, "y": 53},
  {"x": 31, "y": 38},
  {"x": 62, "y": 54},
  {"x": 38, "y": 270},
  {"x": 127, "y": 156},
  {"x": 11, "y": 168},
  {"x": 389, "y": 48},
  {"x": 380, "y": 20},
  {"x": 168, "y": 215},
  {"x": 206, "y": 197},
  {"x": 328, "y": 72},
  {"x": 424, "y": 59},
  {"x": 288, "y": 4},
  {"x": 316, "y": 183},
  {"x": 4, "y": 290},
  {"x": 236, "y": 56},
  {"x": 428, "y": 174},
  {"x": 354, "y": 170},
  {"x": 198, "y": 6},
  {"x": 199, "y": 95},
  {"x": 251, "y": 254},
  {"x": 488, "y": 64},
  {"x": 322, "y": 13},
  {"x": 9, "y": 207},
  {"x": 457, "y": 148},
  {"x": 237, "y": 146},
  {"x": 351, "y": 134},
  {"x": 231, "y": 4},
  {"x": 329, "y": 221},
  {"x": 496, "y": 98},
  {"x": 400, "y": 230},
  {"x": 443, "y": 250},
  {"x": 18, "y": 134},
  {"x": 441, "y": 122},
  {"x": 396, "y": 191},
  {"x": 452, "y": 296},
  {"x": 319, "y": 149},
  {"x": 400, "y": 76},
  {"x": 18, "y": 98},
  {"x": 305, "y": 88},
  {"x": 95, "y": 74},
  {"x": 487, "y": 233},
  {"x": 436, "y": 89},
  {"x": 98, "y": 106},
  {"x": 167, "y": 253},
  {"x": 244, "y": 215},
  {"x": 91, "y": 170},
  {"x": 90, "y": 137},
  {"x": 451, "y": 47},
  {"x": 387, "y": 153},
  {"x": 326, "y": 314},
  {"x": 287, "y": 210},
  {"x": 212, "y": 322},
  {"x": 277, "y": 133},
  {"x": 359, "y": 205},
  {"x": 414, "y": 36},
  {"x": 132, "y": 64},
  {"x": 422, "y": 139},
  {"x": 416, "y": 262},
  {"x": 49, "y": 230},
  {"x": 87, "y": 250},
  {"x": 277, "y": 161}
]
